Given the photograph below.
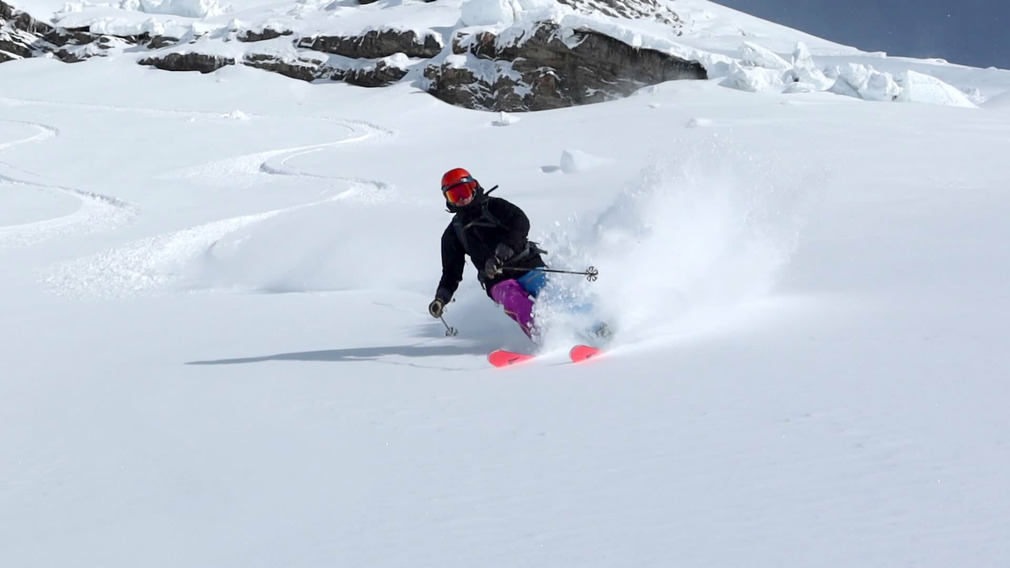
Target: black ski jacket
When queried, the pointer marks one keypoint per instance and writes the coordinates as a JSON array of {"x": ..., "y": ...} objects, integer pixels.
[{"x": 475, "y": 231}]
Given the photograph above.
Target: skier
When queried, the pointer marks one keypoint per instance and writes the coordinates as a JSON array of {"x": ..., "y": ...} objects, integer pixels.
[{"x": 493, "y": 233}]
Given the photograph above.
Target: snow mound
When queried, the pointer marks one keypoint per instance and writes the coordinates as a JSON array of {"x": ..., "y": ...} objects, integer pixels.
[
  {"x": 754, "y": 55},
  {"x": 505, "y": 119},
  {"x": 699, "y": 123},
  {"x": 999, "y": 102},
  {"x": 190, "y": 8},
  {"x": 753, "y": 80},
  {"x": 919, "y": 88},
  {"x": 575, "y": 161},
  {"x": 185, "y": 8},
  {"x": 505, "y": 12},
  {"x": 800, "y": 87},
  {"x": 117, "y": 26},
  {"x": 863, "y": 82}
]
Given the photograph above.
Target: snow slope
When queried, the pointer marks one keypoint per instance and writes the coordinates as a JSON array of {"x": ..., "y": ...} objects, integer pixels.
[{"x": 216, "y": 350}]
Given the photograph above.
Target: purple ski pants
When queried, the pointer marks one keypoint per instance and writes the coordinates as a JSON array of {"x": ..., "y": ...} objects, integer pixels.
[{"x": 517, "y": 304}]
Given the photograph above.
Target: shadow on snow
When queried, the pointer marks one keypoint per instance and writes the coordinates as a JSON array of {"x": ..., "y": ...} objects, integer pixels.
[{"x": 357, "y": 354}]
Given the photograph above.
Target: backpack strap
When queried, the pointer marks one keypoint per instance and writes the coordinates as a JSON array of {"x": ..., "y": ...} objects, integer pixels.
[{"x": 486, "y": 219}]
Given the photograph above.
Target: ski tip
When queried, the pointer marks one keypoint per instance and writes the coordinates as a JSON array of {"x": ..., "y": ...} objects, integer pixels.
[
  {"x": 581, "y": 353},
  {"x": 502, "y": 358}
]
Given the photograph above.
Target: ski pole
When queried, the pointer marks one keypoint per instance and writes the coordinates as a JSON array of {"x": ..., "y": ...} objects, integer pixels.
[
  {"x": 590, "y": 273},
  {"x": 449, "y": 331}
]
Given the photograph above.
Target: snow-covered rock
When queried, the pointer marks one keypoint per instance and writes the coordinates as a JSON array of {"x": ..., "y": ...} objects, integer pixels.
[
  {"x": 188, "y": 61},
  {"x": 505, "y": 119},
  {"x": 501, "y": 55},
  {"x": 377, "y": 43},
  {"x": 700, "y": 123},
  {"x": 547, "y": 66}
]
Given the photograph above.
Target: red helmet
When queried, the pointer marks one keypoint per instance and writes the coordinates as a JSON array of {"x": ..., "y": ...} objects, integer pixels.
[{"x": 458, "y": 186}]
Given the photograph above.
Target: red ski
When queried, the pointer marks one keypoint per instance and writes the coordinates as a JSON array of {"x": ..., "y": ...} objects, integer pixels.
[
  {"x": 580, "y": 353},
  {"x": 502, "y": 358}
]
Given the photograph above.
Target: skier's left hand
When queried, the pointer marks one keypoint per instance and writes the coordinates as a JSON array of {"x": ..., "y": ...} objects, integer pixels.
[
  {"x": 493, "y": 267},
  {"x": 504, "y": 252}
]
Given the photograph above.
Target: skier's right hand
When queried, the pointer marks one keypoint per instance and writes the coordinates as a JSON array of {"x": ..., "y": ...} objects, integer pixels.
[{"x": 436, "y": 307}]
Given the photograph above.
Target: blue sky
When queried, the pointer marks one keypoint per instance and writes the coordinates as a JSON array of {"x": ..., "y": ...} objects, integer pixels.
[{"x": 970, "y": 32}]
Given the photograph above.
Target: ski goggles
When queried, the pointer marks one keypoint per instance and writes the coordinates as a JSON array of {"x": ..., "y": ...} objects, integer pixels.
[{"x": 460, "y": 191}]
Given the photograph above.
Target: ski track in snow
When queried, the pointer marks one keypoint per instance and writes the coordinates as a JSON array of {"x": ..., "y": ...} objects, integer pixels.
[
  {"x": 44, "y": 132},
  {"x": 93, "y": 107},
  {"x": 158, "y": 262},
  {"x": 96, "y": 212},
  {"x": 230, "y": 171},
  {"x": 147, "y": 264}
]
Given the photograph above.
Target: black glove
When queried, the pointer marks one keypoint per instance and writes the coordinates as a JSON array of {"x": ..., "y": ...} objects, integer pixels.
[
  {"x": 503, "y": 252},
  {"x": 436, "y": 307},
  {"x": 493, "y": 267}
]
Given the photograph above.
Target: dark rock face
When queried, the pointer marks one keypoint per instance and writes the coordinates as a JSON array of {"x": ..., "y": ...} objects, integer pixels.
[
  {"x": 376, "y": 44},
  {"x": 267, "y": 33},
  {"x": 158, "y": 42},
  {"x": 188, "y": 62},
  {"x": 557, "y": 68},
  {"x": 303, "y": 69},
  {"x": 380, "y": 75}
]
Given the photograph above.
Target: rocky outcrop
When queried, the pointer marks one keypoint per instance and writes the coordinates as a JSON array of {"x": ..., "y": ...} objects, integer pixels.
[
  {"x": 22, "y": 36},
  {"x": 302, "y": 69},
  {"x": 250, "y": 36},
  {"x": 551, "y": 68},
  {"x": 160, "y": 41},
  {"x": 381, "y": 74},
  {"x": 376, "y": 44},
  {"x": 188, "y": 62},
  {"x": 546, "y": 66}
]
